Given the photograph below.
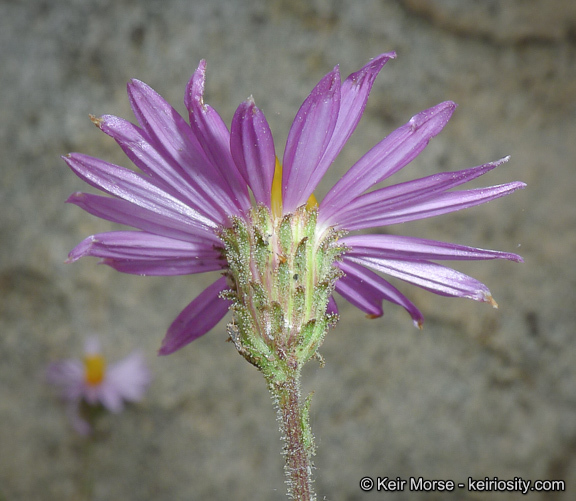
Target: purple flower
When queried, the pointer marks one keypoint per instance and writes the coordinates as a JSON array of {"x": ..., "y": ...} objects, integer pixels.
[
  {"x": 92, "y": 382},
  {"x": 196, "y": 177}
]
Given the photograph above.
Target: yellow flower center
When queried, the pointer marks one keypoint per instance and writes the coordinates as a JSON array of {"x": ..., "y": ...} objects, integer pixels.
[
  {"x": 94, "y": 369},
  {"x": 276, "y": 199}
]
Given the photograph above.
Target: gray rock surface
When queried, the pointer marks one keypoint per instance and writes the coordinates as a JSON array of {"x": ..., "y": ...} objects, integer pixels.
[{"x": 478, "y": 392}]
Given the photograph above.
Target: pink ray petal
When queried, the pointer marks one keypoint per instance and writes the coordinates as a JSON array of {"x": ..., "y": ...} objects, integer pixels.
[
  {"x": 253, "y": 151},
  {"x": 430, "y": 276},
  {"x": 366, "y": 290},
  {"x": 213, "y": 136},
  {"x": 197, "y": 318},
  {"x": 389, "y": 156},
  {"x": 134, "y": 188},
  {"x": 410, "y": 248},
  {"x": 383, "y": 213},
  {"x": 148, "y": 156},
  {"x": 308, "y": 139},
  {"x": 353, "y": 98},
  {"x": 124, "y": 212},
  {"x": 178, "y": 143}
]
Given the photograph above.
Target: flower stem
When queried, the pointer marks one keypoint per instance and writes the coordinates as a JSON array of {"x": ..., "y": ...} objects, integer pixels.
[{"x": 296, "y": 433}]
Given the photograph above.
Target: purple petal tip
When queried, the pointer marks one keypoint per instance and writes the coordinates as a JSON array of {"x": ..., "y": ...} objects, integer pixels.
[{"x": 163, "y": 351}]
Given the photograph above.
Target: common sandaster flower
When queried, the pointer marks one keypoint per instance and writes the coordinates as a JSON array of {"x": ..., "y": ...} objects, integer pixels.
[
  {"x": 199, "y": 181},
  {"x": 93, "y": 382}
]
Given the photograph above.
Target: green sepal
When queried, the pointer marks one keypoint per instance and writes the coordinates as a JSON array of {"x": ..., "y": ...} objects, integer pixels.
[
  {"x": 259, "y": 296},
  {"x": 285, "y": 234},
  {"x": 261, "y": 251},
  {"x": 282, "y": 275},
  {"x": 285, "y": 278},
  {"x": 301, "y": 257}
]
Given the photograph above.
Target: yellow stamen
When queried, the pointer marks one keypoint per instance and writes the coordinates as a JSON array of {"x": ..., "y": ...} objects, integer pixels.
[
  {"x": 94, "y": 369},
  {"x": 276, "y": 196}
]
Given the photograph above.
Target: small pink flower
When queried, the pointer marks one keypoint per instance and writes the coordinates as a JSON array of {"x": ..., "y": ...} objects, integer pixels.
[{"x": 92, "y": 381}]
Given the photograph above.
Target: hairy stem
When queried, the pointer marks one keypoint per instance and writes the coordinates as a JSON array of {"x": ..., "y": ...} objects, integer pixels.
[{"x": 298, "y": 446}]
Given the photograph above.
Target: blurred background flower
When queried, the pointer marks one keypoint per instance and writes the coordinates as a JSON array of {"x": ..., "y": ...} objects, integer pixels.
[{"x": 90, "y": 383}]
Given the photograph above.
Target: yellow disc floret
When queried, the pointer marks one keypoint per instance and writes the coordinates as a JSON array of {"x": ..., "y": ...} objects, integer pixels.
[
  {"x": 276, "y": 197},
  {"x": 94, "y": 369},
  {"x": 312, "y": 202}
]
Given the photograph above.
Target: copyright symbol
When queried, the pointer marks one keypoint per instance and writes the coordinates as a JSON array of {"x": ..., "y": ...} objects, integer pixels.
[{"x": 366, "y": 484}]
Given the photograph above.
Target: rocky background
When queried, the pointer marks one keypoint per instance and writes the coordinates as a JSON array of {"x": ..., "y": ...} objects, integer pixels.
[{"x": 479, "y": 392}]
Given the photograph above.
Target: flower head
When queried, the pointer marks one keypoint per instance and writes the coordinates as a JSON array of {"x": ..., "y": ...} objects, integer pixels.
[
  {"x": 93, "y": 382},
  {"x": 192, "y": 204}
]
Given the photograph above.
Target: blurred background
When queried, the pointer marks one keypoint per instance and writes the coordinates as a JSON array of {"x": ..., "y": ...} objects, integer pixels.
[{"x": 478, "y": 392}]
